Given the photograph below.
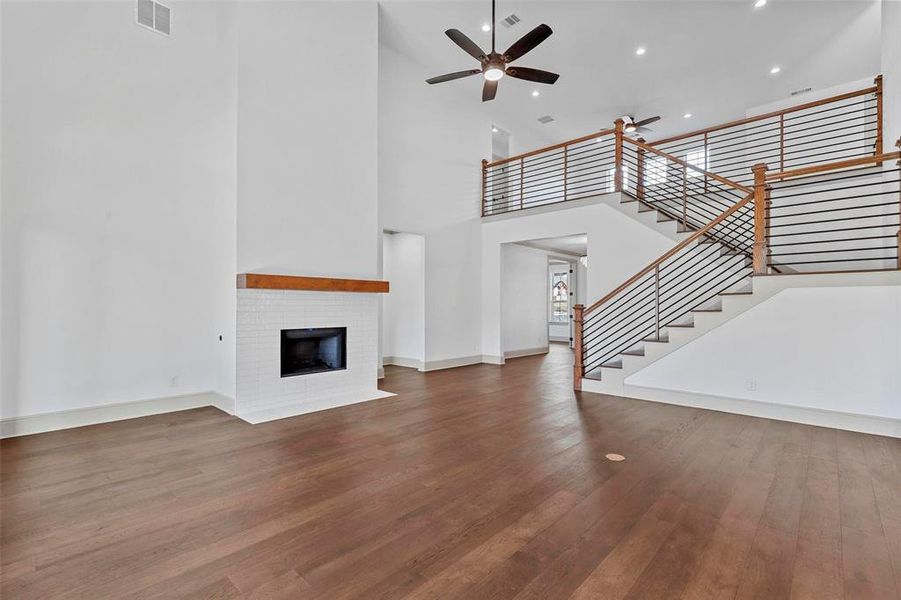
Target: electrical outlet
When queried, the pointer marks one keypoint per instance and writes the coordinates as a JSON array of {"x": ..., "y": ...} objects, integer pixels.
[{"x": 751, "y": 385}]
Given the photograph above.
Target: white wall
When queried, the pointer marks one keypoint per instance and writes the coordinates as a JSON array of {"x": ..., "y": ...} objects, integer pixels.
[
  {"x": 618, "y": 245},
  {"x": 307, "y": 128},
  {"x": 118, "y": 198},
  {"x": 525, "y": 289},
  {"x": 431, "y": 142},
  {"x": 836, "y": 349},
  {"x": 403, "y": 308}
]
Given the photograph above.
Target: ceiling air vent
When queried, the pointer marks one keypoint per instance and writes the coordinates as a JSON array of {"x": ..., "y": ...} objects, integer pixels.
[
  {"x": 153, "y": 15},
  {"x": 545, "y": 119},
  {"x": 510, "y": 20},
  {"x": 804, "y": 91}
]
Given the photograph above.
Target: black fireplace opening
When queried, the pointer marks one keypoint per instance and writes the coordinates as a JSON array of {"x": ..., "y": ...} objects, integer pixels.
[{"x": 315, "y": 350}]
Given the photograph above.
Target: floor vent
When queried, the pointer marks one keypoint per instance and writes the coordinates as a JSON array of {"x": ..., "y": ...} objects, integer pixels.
[
  {"x": 153, "y": 15},
  {"x": 545, "y": 119},
  {"x": 510, "y": 20}
]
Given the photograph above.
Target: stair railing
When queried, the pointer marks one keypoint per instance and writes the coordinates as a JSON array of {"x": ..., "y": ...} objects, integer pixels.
[
  {"x": 840, "y": 216},
  {"x": 687, "y": 276},
  {"x": 834, "y": 217}
]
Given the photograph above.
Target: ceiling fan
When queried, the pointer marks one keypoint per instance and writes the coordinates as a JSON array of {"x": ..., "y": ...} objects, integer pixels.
[
  {"x": 493, "y": 65},
  {"x": 632, "y": 126}
]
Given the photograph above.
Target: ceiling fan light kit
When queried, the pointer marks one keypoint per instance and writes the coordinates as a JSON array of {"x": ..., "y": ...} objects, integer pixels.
[{"x": 494, "y": 65}]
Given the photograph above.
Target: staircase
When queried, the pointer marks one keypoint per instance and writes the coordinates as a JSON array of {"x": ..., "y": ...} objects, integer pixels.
[{"x": 754, "y": 206}]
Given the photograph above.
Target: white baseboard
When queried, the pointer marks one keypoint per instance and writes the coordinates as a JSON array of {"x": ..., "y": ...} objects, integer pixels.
[
  {"x": 294, "y": 409},
  {"x": 400, "y": 361},
  {"x": 80, "y": 417},
  {"x": 450, "y": 363},
  {"x": 768, "y": 410},
  {"x": 525, "y": 352},
  {"x": 491, "y": 359},
  {"x": 380, "y": 374}
]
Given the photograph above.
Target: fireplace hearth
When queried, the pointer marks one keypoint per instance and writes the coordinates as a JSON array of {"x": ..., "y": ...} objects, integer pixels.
[{"x": 313, "y": 350}]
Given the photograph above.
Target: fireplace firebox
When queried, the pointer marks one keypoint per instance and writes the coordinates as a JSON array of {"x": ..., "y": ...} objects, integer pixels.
[{"x": 315, "y": 350}]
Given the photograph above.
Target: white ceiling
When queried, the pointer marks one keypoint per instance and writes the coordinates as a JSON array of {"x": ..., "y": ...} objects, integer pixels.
[
  {"x": 711, "y": 58},
  {"x": 573, "y": 245}
]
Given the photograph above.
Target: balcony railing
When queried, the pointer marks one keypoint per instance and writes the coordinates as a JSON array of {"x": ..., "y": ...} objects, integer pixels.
[{"x": 690, "y": 169}]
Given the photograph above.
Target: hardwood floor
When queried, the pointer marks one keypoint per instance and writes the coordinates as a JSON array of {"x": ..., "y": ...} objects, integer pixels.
[{"x": 479, "y": 482}]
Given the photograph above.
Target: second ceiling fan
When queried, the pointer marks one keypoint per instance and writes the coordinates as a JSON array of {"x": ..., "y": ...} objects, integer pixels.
[{"x": 493, "y": 65}]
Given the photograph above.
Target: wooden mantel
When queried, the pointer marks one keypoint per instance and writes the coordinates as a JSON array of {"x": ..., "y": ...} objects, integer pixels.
[{"x": 259, "y": 281}]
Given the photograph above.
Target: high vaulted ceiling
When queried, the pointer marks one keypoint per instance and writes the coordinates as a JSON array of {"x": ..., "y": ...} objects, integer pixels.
[{"x": 708, "y": 58}]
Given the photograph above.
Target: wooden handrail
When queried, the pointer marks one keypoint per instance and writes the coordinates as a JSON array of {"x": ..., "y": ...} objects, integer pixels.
[
  {"x": 674, "y": 250},
  {"x": 577, "y": 140},
  {"x": 775, "y": 113},
  {"x": 714, "y": 176},
  {"x": 833, "y": 166}
]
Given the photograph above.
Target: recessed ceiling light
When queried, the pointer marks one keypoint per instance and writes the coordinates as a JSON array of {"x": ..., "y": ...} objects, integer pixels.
[
  {"x": 686, "y": 116},
  {"x": 486, "y": 27},
  {"x": 775, "y": 70},
  {"x": 759, "y": 3},
  {"x": 640, "y": 50},
  {"x": 535, "y": 93}
]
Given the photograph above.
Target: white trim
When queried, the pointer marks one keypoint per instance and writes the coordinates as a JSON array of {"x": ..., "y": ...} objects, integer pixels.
[
  {"x": 450, "y": 363},
  {"x": 490, "y": 359},
  {"x": 768, "y": 410},
  {"x": 525, "y": 352},
  {"x": 80, "y": 417},
  {"x": 293, "y": 409},
  {"x": 380, "y": 373},
  {"x": 400, "y": 361}
]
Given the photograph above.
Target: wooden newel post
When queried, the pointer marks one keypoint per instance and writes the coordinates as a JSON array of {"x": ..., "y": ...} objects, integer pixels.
[
  {"x": 484, "y": 183},
  {"x": 578, "y": 311},
  {"x": 618, "y": 168},
  {"x": 761, "y": 200}
]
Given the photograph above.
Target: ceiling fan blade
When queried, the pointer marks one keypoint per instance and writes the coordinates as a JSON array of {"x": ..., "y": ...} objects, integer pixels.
[
  {"x": 452, "y": 76},
  {"x": 642, "y": 129},
  {"x": 532, "y": 74},
  {"x": 468, "y": 46},
  {"x": 489, "y": 90},
  {"x": 527, "y": 42},
  {"x": 647, "y": 121}
]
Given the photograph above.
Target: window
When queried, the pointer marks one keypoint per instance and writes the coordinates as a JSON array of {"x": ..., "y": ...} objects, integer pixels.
[
  {"x": 611, "y": 178},
  {"x": 696, "y": 158},
  {"x": 560, "y": 297},
  {"x": 655, "y": 171}
]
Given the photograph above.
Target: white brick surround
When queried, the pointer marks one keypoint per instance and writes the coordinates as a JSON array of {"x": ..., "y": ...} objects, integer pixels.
[{"x": 262, "y": 394}]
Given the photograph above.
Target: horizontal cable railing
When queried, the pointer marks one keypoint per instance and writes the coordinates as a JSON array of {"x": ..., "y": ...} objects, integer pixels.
[
  {"x": 665, "y": 292},
  {"x": 841, "y": 127},
  {"x": 835, "y": 217},
  {"x": 576, "y": 169},
  {"x": 828, "y": 130},
  {"x": 679, "y": 190}
]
